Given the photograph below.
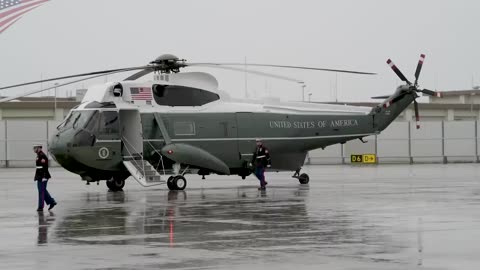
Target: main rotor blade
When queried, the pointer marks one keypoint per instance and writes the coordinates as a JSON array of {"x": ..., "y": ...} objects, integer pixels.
[
  {"x": 103, "y": 72},
  {"x": 397, "y": 71},
  {"x": 283, "y": 66},
  {"x": 49, "y": 88},
  {"x": 260, "y": 73},
  {"x": 419, "y": 67},
  {"x": 417, "y": 116},
  {"x": 139, "y": 74}
]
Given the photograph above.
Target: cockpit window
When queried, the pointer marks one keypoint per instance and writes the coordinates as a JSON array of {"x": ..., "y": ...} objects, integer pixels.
[
  {"x": 109, "y": 123},
  {"x": 175, "y": 95},
  {"x": 76, "y": 120},
  {"x": 92, "y": 123},
  {"x": 95, "y": 104},
  {"x": 82, "y": 118},
  {"x": 67, "y": 122}
]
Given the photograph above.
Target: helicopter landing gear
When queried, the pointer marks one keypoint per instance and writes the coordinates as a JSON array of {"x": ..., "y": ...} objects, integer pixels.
[
  {"x": 302, "y": 178},
  {"x": 177, "y": 182},
  {"x": 170, "y": 183},
  {"x": 116, "y": 183}
]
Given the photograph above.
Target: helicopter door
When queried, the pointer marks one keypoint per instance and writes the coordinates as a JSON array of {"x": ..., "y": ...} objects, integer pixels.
[
  {"x": 131, "y": 132},
  {"x": 246, "y": 129}
]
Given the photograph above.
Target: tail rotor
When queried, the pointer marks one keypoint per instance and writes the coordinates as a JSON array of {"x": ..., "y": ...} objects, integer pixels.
[
  {"x": 419, "y": 68},
  {"x": 413, "y": 88}
]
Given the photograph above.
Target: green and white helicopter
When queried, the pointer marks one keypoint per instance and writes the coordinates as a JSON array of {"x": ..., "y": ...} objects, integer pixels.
[{"x": 158, "y": 131}]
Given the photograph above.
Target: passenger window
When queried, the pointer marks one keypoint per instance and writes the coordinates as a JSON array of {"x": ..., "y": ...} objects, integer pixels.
[{"x": 184, "y": 128}]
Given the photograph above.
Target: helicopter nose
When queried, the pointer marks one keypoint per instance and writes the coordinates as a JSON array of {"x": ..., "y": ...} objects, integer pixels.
[{"x": 56, "y": 147}]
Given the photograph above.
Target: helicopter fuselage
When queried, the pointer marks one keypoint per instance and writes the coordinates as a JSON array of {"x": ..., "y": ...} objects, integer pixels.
[{"x": 96, "y": 137}]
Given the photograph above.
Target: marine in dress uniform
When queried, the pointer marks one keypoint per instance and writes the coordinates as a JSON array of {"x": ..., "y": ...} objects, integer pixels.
[
  {"x": 261, "y": 160},
  {"x": 42, "y": 175}
]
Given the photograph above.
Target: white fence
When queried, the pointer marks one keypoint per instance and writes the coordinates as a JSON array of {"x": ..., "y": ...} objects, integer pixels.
[
  {"x": 449, "y": 141},
  {"x": 401, "y": 142},
  {"x": 17, "y": 138}
]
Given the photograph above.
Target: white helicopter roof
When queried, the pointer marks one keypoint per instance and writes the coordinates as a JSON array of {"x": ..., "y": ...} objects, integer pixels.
[
  {"x": 206, "y": 82},
  {"x": 199, "y": 80}
]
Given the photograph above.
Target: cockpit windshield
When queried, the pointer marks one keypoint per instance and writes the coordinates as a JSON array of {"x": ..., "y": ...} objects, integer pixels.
[
  {"x": 76, "y": 120},
  {"x": 99, "y": 123}
]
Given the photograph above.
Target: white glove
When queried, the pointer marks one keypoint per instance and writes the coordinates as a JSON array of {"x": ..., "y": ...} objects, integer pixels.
[
  {"x": 44, "y": 179},
  {"x": 268, "y": 166},
  {"x": 250, "y": 164}
]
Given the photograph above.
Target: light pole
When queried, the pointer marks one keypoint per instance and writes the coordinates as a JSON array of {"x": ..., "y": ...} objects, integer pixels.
[
  {"x": 55, "y": 102},
  {"x": 472, "y": 96},
  {"x": 303, "y": 90},
  {"x": 309, "y": 97}
]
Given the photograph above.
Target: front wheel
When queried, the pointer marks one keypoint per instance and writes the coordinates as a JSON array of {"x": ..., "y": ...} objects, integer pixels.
[
  {"x": 116, "y": 184},
  {"x": 304, "y": 179}
]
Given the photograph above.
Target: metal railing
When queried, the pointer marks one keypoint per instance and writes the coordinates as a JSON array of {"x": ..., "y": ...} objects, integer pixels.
[{"x": 161, "y": 158}]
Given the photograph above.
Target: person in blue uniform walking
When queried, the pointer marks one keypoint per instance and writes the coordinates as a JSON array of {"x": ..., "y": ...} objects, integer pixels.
[
  {"x": 42, "y": 175},
  {"x": 260, "y": 161}
]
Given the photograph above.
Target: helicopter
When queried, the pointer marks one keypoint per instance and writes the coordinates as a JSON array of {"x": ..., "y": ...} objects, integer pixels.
[{"x": 180, "y": 123}]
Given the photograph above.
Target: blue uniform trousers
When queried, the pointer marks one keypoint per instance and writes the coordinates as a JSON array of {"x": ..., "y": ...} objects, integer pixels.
[
  {"x": 43, "y": 195},
  {"x": 260, "y": 174}
]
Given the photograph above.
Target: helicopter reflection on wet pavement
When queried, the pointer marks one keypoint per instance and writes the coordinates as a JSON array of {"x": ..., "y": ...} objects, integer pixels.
[{"x": 347, "y": 218}]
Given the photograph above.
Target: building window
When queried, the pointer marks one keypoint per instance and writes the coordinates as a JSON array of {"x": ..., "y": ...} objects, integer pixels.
[{"x": 184, "y": 128}]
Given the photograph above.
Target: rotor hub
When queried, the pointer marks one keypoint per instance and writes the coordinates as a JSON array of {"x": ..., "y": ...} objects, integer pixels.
[{"x": 168, "y": 63}]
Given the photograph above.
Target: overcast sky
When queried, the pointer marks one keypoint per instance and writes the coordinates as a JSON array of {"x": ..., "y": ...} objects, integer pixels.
[{"x": 70, "y": 36}]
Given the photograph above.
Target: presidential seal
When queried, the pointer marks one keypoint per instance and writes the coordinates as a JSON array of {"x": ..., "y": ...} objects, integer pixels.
[{"x": 103, "y": 153}]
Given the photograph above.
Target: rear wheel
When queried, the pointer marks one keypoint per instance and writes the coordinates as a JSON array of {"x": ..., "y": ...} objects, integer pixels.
[
  {"x": 170, "y": 183},
  {"x": 180, "y": 182}
]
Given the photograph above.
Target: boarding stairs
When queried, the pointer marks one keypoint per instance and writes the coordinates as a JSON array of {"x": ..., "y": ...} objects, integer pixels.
[{"x": 140, "y": 169}]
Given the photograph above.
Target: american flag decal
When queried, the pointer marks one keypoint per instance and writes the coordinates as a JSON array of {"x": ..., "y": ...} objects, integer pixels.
[
  {"x": 141, "y": 93},
  {"x": 12, "y": 10}
]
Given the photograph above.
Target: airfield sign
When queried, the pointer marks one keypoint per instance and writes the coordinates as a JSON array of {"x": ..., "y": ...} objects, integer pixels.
[{"x": 366, "y": 158}]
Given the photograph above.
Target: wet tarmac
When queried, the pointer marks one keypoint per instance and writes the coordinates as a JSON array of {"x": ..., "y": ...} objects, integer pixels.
[{"x": 374, "y": 217}]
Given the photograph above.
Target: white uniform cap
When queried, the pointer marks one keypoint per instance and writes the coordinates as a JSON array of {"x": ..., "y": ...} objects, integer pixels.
[{"x": 37, "y": 145}]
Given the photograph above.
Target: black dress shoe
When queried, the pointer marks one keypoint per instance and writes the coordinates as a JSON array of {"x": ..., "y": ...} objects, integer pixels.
[
  {"x": 39, "y": 209},
  {"x": 52, "y": 205}
]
